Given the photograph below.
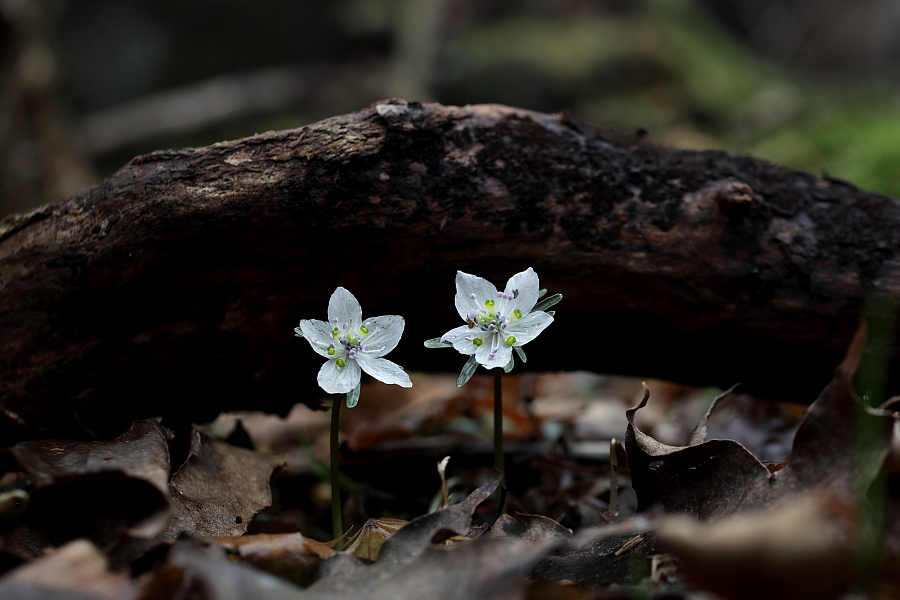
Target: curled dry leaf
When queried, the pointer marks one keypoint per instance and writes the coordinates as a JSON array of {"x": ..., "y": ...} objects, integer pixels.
[
  {"x": 220, "y": 488},
  {"x": 367, "y": 542},
  {"x": 344, "y": 576},
  {"x": 530, "y": 528},
  {"x": 840, "y": 446},
  {"x": 92, "y": 489}
]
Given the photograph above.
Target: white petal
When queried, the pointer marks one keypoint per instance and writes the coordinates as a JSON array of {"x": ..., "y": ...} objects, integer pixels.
[
  {"x": 528, "y": 327},
  {"x": 318, "y": 334},
  {"x": 526, "y": 286},
  {"x": 468, "y": 285},
  {"x": 339, "y": 380},
  {"x": 344, "y": 307},
  {"x": 501, "y": 355},
  {"x": 385, "y": 371},
  {"x": 383, "y": 331},
  {"x": 458, "y": 335}
]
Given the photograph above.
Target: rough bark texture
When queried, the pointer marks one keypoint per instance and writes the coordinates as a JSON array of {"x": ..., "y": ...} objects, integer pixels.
[{"x": 172, "y": 288}]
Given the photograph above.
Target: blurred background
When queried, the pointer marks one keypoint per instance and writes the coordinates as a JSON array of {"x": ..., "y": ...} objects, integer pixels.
[{"x": 87, "y": 84}]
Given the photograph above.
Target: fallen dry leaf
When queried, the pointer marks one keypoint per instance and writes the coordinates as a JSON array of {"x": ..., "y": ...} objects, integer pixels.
[
  {"x": 291, "y": 556},
  {"x": 219, "y": 490},
  {"x": 840, "y": 446},
  {"x": 530, "y": 528},
  {"x": 77, "y": 570},
  {"x": 367, "y": 542},
  {"x": 413, "y": 563},
  {"x": 96, "y": 490},
  {"x": 204, "y": 572},
  {"x": 803, "y": 548}
]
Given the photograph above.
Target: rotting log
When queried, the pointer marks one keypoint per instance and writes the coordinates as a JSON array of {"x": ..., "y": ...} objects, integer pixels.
[{"x": 172, "y": 287}]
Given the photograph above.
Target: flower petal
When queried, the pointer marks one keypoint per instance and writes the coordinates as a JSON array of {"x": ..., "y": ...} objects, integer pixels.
[
  {"x": 458, "y": 335},
  {"x": 383, "y": 331},
  {"x": 500, "y": 356},
  {"x": 466, "y": 285},
  {"x": 526, "y": 286},
  {"x": 339, "y": 380},
  {"x": 384, "y": 370},
  {"x": 344, "y": 307},
  {"x": 318, "y": 334},
  {"x": 528, "y": 327}
]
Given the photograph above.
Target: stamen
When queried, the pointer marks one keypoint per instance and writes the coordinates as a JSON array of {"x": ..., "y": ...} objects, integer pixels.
[
  {"x": 364, "y": 330},
  {"x": 341, "y": 362},
  {"x": 517, "y": 314},
  {"x": 331, "y": 351},
  {"x": 471, "y": 296},
  {"x": 489, "y": 303},
  {"x": 477, "y": 342},
  {"x": 511, "y": 340}
]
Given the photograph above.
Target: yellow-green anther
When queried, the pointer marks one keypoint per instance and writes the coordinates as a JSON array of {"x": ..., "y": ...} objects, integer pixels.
[
  {"x": 477, "y": 342},
  {"x": 511, "y": 340},
  {"x": 341, "y": 362},
  {"x": 517, "y": 314},
  {"x": 489, "y": 303},
  {"x": 334, "y": 332},
  {"x": 364, "y": 330},
  {"x": 331, "y": 352}
]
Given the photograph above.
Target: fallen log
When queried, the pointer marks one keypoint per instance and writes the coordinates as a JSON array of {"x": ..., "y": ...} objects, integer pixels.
[{"x": 172, "y": 287}]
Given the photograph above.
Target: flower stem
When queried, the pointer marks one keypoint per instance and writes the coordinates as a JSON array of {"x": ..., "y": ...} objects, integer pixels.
[
  {"x": 498, "y": 428},
  {"x": 336, "y": 525}
]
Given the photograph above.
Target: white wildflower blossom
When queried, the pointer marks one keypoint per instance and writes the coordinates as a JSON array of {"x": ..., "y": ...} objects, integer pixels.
[
  {"x": 351, "y": 344},
  {"x": 496, "y": 322}
]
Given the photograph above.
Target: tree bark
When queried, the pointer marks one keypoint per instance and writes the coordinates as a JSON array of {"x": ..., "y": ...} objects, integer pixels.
[{"x": 173, "y": 287}]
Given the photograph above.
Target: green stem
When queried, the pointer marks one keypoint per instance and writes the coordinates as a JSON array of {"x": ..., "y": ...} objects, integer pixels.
[
  {"x": 498, "y": 427},
  {"x": 336, "y": 525}
]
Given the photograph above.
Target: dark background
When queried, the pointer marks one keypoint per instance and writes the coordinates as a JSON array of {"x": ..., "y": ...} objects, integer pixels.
[{"x": 86, "y": 85}]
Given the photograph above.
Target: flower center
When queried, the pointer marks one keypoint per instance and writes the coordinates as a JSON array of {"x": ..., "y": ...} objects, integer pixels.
[
  {"x": 492, "y": 321},
  {"x": 348, "y": 340}
]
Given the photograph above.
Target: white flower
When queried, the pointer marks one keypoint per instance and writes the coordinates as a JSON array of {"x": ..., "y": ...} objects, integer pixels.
[
  {"x": 351, "y": 344},
  {"x": 496, "y": 322}
]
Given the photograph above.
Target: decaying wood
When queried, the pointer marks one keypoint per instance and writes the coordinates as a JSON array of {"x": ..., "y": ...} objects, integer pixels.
[{"x": 172, "y": 288}]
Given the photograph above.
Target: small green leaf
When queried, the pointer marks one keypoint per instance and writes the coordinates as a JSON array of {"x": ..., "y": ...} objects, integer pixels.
[
  {"x": 509, "y": 366},
  {"x": 437, "y": 343},
  {"x": 552, "y": 313},
  {"x": 542, "y": 293},
  {"x": 298, "y": 332},
  {"x": 520, "y": 352},
  {"x": 467, "y": 371},
  {"x": 353, "y": 396},
  {"x": 547, "y": 302}
]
